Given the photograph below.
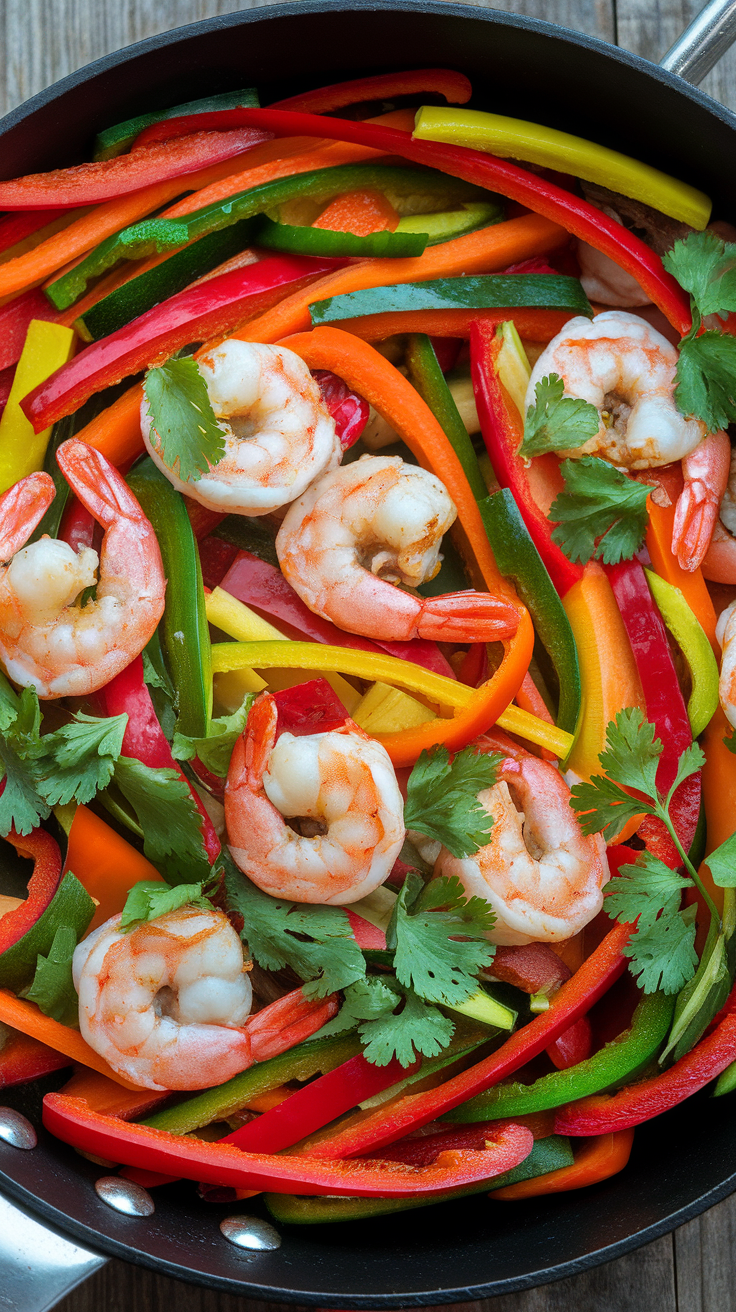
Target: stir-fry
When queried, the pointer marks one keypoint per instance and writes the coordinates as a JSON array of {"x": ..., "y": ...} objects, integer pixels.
[{"x": 369, "y": 536}]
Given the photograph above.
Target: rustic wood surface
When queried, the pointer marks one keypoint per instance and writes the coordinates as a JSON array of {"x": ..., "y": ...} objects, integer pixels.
[{"x": 41, "y": 41}]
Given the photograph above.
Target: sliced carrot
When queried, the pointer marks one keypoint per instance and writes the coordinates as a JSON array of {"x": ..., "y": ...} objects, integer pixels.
[
  {"x": 104, "y": 864},
  {"x": 691, "y": 584},
  {"x": 533, "y": 325},
  {"x": 598, "y": 1159},
  {"x": 117, "y": 431},
  {"x": 359, "y": 212},
  {"x": 26, "y": 1017},
  {"x": 484, "y": 251}
]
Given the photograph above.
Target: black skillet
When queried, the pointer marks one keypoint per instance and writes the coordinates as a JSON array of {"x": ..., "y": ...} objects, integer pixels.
[{"x": 683, "y": 1162}]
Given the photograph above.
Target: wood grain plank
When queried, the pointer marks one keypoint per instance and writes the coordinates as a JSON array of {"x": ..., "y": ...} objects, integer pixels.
[{"x": 650, "y": 29}]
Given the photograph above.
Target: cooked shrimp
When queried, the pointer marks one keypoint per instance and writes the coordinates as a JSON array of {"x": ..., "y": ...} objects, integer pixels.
[
  {"x": 48, "y": 640},
  {"x": 719, "y": 564},
  {"x": 278, "y": 434},
  {"x": 605, "y": 282},
  {"x": 342, "y": 786},
  {"x": 539, "y": 872},
  {"x": 706, "y": 474},
  {"x": 369, "y": 525},
  {"x": 726, "y": 635},
  {"x": 168, "y": 1004}
]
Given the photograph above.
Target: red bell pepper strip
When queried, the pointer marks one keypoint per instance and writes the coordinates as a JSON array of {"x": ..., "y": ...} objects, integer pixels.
[
  {"x": 577, "y": 216},
  {"x": 261, "y": 585},
  {"x": 307, "y": 708},
  {"x": 636, "y": 1103},
  {"x": 211, "y": 309},
  {"x": 23, "y": 1059},
  {"x": 72, "y": 1121},
  {"x": 349, "y": 411},
  {"x": 42, "y": 885},
  {"x": 90, "y": 183},
  {"x": 15, "y": 318},
  {"x": 78, "y": 527},
  {"x": 572, "y": 1046},
  {"x": 665, "y": 706},
  {"x": 597, "y": 1160},
  {"x": 6, "y": 382},
  {"x": 503, "y": 432},
  {"x": 15, "y": 228},
  {"x": 410, "y": 1111}
]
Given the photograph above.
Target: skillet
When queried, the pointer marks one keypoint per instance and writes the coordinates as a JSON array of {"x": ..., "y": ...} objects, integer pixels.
[{"x": 685, "y": 1161}]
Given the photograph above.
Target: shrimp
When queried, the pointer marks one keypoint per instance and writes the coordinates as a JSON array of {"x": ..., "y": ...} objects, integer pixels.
[
  {"x": 626, "y": 369},
  {"x": 168, "y": 1004},
  {"x": 726, "y": 635},
  {"x": 366, "y": 526},
  {"x": 48, "y": 641},
  {"x": 278, "y": 433},
  {"x": 539, "y": 872},
  {"x": 719, "y": 564},
  {"x": 606, "y": 282},
  {"x": 342, "y": 786}
]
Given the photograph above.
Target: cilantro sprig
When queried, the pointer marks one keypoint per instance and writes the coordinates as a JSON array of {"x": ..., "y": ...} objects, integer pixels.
[
  {"x": 601, "y": 513},
  {"x": 438, "y": 937},
  {"x": 556, "y": 422},
  {"x": 190, "y": 439},
  {"x": 215, "y": 750},
  {"x": 705, "y": 266},
  {"x": 442, "y": 798}
]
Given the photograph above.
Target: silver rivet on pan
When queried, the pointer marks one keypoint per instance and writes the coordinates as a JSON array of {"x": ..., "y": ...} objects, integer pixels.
[
  {"x": 250, "y": 1232},
  {"x": 16, "y": 1129},
  {"x": 124, "y": 1196}
]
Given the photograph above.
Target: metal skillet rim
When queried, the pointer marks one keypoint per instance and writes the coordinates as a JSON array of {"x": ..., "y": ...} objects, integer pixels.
[{"x": 38, "y": 1206}]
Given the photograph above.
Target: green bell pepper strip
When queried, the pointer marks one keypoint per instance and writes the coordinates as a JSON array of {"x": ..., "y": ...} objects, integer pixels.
[
  {"x": 184, "y": 632},
  {"x": 449, "y": 224},
  {"x": 617, "y": 1062},
  {"x": 71, "y": 906},
  {"x": 302, "y": 240},
  {"x": 152, "y": 236},
  {"x": 547, "y": 1155},
  {"x": 120, "y": 137},
  {"x": 695, "y": 647},
  {"x": 427, "y": 377},
  {"x": 519, "y": 560},
  {"x": 488, "y": 291}
]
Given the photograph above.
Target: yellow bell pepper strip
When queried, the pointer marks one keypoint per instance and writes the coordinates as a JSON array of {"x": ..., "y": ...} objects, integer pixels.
[
  {"x": 598, "y": 1159},
  {"x": 47, "y": 347},
  {"x": 536, "y": 144},
  {"x": 692, "y": 640},
  {"x": 26, "y": 1017}
]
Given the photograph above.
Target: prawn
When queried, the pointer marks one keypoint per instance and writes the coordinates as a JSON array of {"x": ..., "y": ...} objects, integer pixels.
[
  {"x": 726, "y": 635},
  {"x": 540, "y": 873},
  {"x": 278, "y": 433},
  {"x": 342, "y": 786},
  {"x": 625, "y": 368},
  {"x": 361, "y": 529},
  {"x": 48, "y": 640},
  {"x": 168, "y": 1004},
  {"x": 719, "y": 564}
]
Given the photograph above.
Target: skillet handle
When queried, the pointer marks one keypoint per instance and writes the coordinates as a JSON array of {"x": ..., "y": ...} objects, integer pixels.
[
  {"x": 711, "y": 33},
  {"x": 38, "y": 1266}
]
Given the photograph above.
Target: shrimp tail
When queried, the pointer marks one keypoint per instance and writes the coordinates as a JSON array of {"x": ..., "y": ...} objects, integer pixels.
[
  {"x": 259, "y": 739},
  {"x": 97, "y": 483},
  {"x": 467, "y": 617},
  {"x": 286, "y": 1022},
  {"x": 22, "y": 507},
  {"x": 706, "y": 473}
]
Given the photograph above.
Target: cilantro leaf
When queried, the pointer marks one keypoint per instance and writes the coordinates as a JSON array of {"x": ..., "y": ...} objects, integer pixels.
[
  {"x": 53, "y": 988},
  {"x": 664, "y": 956},
  {"x": 706, "y": 379},
  {"x": 442, "y": 798},
  {"x": 429, "y": 955},
  {"x": 417, "y": 1028},
  {"x": 316, "y": 941},
  {"x": 722, "y": 863},
  {"x": 556, "y": 422},
  {"x": 21, "y": 807},
  {"x": 630, "y": 760},
  {"x": 147, "y": 900},
  {"x": 215, "y": 750},
  {"x": 643, "y": 891},
  {"x": 190, "y": 440},
  {"x": 705, "y": 266},
  {"x": 691, "y": 760},
  {"x": 364, "y": 1000},
  {"x": 602, "y": 513},
  {"x": 78, "y": 759},
  {"x": 168, "y": 816}
]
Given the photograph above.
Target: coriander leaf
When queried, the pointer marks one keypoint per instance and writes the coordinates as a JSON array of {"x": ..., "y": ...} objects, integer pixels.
[
  {"x": 691, "y": 760},
  {"x": 21, "y": 807},
  {"x": 366, "y": 999},
  {"x": 147, "y": 900},
  {"x": 316, "y": 941},
  {"x": 556, "y": 422},
  {"x": 644, "y": 890},
  {"x": 77, "y": 760},
  {"x": 706, "y": 379},
  {"x": 602, "y": 513},
  {"x": 442, "y": 798},
  {"x": 168, "y": 816},
  {"x": 705, "y": 265},
  {"x": 53, "y": 988},
  {"x": 215, "y": 750},
  {"x": 722, "y": 863},
  {"x": 664, "y": 957},
  {"x": 417, "y": 1028},
  {"x": 190, "y": 440},
  {"x": 151, "y": 676},
  {"x": 630, "y": 760},
  {"x": 428, "y": 954}
]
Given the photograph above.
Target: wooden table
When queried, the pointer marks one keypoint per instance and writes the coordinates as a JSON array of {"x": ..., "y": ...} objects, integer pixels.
[{"x": 693, "y": 1269}]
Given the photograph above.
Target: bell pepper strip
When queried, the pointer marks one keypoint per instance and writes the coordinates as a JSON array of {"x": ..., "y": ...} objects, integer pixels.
[
  {"x": 47, "y": 347},
  {"x": 105, "y": 180},
  {"x": 428, "y": 379},
  {"x": 484, "y": 292},
  {"x": 42, "y": 885},
  {"x": 71, "y": 906},
  {"x": 15, "y": 319},
  {"x": 545, "y": 146},
  {"x": 349, "y": 411},
  {"x": 256, "y": 583},
  {"x": 6, "y": 386},
  {"x": 453, "y": 223},
  {"x": 26, "y": 1017},
  {"x": 604, "y": 1156},
  {"x": 618, "y": 1061},
  {"x": 23, "y": 1059},
  {"x": 373, "y": 1130},
  {"x": 636, "y": 1103},
  {"x": 74, "y": 1123},
  {"x": 531, "y": 324},
  {"x": 211, "y": 309},
  {"x": 547, "y": 1155},
  {"x": 533, "y": 968},
  {"x": 691, "y": 583},
  {"x": 106, "y": 1095},
  {"x": 665, "y": 707},
  {"x": 105, "y": 864},
  {"x": 518, "y": 558},
  {"x": 14, "y": 228},
  {"x": 573, "y": 1046},
  {"x": 692, "y": 641},
  {"x": 454, "y": 86},
  {"x": 302, "y": 240},
  {"x": 115, "y": 140}
]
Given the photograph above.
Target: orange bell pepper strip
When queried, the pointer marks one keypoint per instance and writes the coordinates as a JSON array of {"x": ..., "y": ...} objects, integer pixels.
[
  {"x": 691, "y": 583},
  {"x": 104, "y": 1095},
  {"x": 104, "y": 864},
  {"x": 117, "y": 431},
  {"x": 598, "y": 1159},
  {"x": 534, "y": 325},
  {"x": 454, "y": 86},
  {"x": 26, "y": 1017}
]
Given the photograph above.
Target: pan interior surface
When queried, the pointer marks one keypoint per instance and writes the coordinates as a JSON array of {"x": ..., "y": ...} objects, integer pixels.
[{"x": 681, "y": 1163}]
